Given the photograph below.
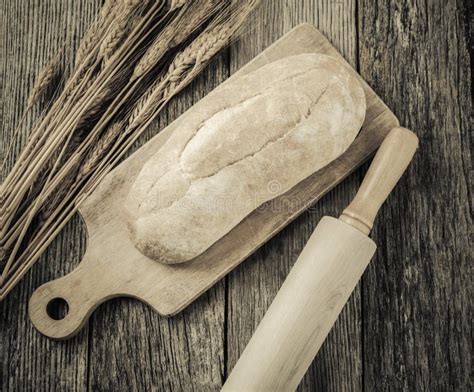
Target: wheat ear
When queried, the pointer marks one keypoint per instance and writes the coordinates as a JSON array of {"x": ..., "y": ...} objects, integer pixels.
[
  {"x": 88, "y": 42},
  {"x": 45, "y": 79},
  {"x": 119, "y": 28},
  {"x": 190, "y": 19},
  {"x": 199, "y": 52},
  {"x": 175, "y": 4}
]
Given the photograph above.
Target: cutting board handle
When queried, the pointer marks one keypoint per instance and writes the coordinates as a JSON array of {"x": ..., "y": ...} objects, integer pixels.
[
  {"x": 389, "y": 164},
  {"x": 76, "y": 296}
]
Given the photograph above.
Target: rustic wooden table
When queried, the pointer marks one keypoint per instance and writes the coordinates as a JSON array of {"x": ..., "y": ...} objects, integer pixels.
[{"x": 407, "y": 325}]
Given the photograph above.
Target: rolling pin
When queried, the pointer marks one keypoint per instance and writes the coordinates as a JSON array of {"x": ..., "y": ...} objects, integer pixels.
[{"x": 321, "y": 281}]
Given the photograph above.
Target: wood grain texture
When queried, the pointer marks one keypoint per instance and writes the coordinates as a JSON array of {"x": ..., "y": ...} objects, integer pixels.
[
  {"x": 408, "y": 329},
  {"x": 417, "y": 293}
]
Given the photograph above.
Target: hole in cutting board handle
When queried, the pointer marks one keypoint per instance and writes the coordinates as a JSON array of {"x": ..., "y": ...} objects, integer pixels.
[{"x": 57, "y": 308}]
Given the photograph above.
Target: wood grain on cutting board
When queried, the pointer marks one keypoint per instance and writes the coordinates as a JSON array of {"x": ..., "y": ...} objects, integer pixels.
[{"x": 414, "y": 331}]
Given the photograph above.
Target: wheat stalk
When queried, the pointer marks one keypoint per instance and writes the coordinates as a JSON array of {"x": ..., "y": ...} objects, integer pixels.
[
  {"x": 62, "y": 106},
  {"x": 185, "y": 66},
  {"x": 63, "y": 111},
  {"x": 56, "y": 138}
]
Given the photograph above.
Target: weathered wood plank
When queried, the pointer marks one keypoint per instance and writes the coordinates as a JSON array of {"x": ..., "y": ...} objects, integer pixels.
[
  {"x": 32, "y": 31},
  {"x": 254, "y": 284},
  {"x": 130, "y": 341},
  {"x": 417, "y": 293}
]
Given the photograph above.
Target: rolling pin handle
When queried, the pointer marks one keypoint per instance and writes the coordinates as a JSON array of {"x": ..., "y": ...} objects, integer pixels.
[{"x": 389, "y": 164}]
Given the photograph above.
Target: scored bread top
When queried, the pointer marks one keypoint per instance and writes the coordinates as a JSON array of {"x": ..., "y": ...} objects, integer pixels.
[{"x": 249, "y": 141}]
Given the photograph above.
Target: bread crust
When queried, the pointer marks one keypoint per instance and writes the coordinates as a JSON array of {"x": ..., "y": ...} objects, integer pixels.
[{"x": 247, "y": 142}]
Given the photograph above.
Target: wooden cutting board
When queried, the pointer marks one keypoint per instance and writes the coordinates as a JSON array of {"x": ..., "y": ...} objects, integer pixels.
[{"x": 112, "y": 267}]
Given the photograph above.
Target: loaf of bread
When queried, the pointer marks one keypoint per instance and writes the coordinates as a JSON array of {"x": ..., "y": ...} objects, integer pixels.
[{"x": 247, "y": 142}]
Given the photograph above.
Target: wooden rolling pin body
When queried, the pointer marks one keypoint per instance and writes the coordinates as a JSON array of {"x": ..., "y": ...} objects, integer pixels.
[{"x": 321, "y": 281}]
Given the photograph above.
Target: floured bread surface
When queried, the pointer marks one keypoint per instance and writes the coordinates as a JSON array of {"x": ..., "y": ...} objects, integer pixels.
[{"x": 247, "y": 142}]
